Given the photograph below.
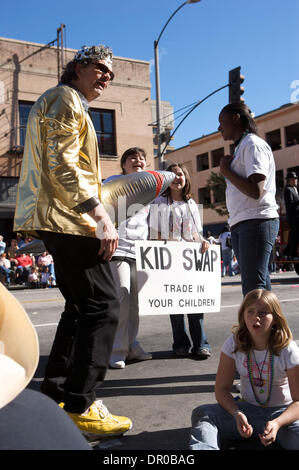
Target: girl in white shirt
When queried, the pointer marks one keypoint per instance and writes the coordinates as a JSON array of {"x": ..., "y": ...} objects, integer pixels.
[
  {"x": 262, "y": 351},
  {"x": 126, "y": 347},
  {"x": 250, "y": 195},
  {"x": 175, "y": 216}
]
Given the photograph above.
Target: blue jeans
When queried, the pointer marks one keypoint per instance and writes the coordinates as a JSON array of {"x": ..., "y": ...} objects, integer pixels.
[
  {"x": 211, "y": 424},
  {"x": 252, "y": 242},
  {"x": 6, "y": 272},
  {"x": 52, "y": 271},
  {"x": 196, "y": 329}
]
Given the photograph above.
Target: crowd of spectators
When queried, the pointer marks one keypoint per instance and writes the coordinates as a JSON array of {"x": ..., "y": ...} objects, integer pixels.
[
  {"x": 228, "y": 263},
  {"x": 278, "y": 255},
  {"x": 274, "y": 267},
  {"x": 34, "y": 271},
  {"x": 38, "y": 271}
]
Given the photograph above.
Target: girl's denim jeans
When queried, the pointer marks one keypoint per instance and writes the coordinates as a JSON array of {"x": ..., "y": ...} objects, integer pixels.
[
  {"x": 252, "y": 242},
  {"x": 211, "y": 424}
]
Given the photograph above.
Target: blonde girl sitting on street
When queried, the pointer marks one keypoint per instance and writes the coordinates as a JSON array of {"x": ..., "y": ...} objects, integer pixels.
[{"x": 261, "y": 349}]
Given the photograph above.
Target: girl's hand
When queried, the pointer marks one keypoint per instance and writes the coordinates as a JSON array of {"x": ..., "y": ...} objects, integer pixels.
[
  {"x": 225, "y": 163},
  {"x": 244, "y": 428},
  {"x": 269, "y": 434},
  {"x": 205, "y": 246}
]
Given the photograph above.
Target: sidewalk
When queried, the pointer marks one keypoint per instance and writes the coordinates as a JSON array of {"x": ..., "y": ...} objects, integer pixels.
[{"x": 226, "y": 280}]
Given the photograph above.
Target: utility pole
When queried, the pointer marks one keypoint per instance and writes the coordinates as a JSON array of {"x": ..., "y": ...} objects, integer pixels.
[{"x": 60, "y": 49}]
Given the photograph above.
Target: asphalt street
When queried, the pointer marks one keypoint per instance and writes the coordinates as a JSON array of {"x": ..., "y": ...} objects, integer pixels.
[{"x": 158, "y": 395}]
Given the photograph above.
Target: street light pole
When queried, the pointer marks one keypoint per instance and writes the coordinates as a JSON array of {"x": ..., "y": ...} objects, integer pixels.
[
  {"x": 158, "y": 106},
  {"x": 157, "y": 80}
]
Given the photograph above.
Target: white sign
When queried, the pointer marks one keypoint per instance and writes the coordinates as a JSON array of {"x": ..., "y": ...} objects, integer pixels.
[{"x": 175, "y": 277}]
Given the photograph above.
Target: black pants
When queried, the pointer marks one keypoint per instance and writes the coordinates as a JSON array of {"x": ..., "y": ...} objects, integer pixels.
[
  {"x": 83, "y": 342},
  {"x": 293, "y": 240}
]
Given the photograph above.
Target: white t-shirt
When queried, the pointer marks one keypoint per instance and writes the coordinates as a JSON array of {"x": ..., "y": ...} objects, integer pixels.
[
  {"x": 288, "y": 358},
  {"x": 222, "y": 238},
  {"x": 32, "y": 277},
  {"x": 253, "y": 155},
  {"x": 177, "y": 220},
  {"x": 5, "y": 263},
  {"x": 135, "y": 228},
  {"x": 212, "y": 240}
]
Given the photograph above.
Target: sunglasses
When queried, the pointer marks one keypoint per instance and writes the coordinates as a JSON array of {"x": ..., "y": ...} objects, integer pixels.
[{"x": 104, "y": 69}]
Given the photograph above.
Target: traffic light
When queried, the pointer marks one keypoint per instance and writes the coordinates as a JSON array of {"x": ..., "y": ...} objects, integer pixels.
[
  {"x": 235, "y": 88},
  {"x": 165, "y": 137}
]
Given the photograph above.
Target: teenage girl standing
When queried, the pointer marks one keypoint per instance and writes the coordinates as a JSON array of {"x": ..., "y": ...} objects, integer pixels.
[
  {"x": 250, "y": 195},
  {"x": 180, "y": 220}
]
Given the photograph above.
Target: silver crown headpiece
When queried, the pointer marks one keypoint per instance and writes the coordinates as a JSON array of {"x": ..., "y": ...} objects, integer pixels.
[{"x": 99, "y": 52}]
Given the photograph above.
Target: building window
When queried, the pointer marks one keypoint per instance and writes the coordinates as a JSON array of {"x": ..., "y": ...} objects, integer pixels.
[
  {"x": 8, "y": 189},
  {"x": 219, "y": 194},
  {"x": 202, "y": 161},
  {"x": 292, "y": 134},
  {"x": 104, "y": 124},
  {"x": 217, "y": 154},
  {"x": 274, "y": 139},
  {"x": 24, "y": 110},
  {"x": 204, "y": 196}
]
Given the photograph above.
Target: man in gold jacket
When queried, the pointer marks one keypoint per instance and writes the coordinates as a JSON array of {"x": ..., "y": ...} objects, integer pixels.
[{"x": 58, "y": 201}]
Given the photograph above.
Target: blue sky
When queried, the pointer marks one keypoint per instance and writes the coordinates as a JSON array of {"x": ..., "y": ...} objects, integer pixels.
[{"x": 198, "y": 48}]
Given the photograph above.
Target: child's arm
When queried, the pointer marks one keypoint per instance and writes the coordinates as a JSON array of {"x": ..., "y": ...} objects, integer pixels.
[
  {"x": 290, "y": 415},
  {"x": 224, "y": 380}
]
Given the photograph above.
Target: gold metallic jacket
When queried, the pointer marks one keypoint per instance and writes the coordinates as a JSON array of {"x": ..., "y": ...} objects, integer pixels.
[{"x": 60, "y": 177}]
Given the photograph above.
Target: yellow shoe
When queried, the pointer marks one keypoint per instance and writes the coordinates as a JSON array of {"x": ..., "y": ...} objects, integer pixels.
[{"x": 97, "y": 420}]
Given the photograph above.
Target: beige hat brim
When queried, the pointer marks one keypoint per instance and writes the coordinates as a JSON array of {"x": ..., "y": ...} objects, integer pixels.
[{"x": 19, "y": 347}]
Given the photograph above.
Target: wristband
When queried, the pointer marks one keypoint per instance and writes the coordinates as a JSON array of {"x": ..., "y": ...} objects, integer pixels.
[{"x": 100, "y": 230}]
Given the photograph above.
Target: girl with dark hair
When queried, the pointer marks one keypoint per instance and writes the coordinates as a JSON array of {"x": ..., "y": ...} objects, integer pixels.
[
  {"x": 123, "y": 267},
  {"x": 262, "y": 351},
  {"x": 177, "y": 218},
  {"x": 134, "y": 157},
  {"x": 250, "y": 195}
]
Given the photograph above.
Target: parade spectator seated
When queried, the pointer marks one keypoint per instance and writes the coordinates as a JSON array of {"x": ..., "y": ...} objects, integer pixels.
[
  {"x": 24, "y": 263},
  {"x": 34, "y": 278},
  {"x": 47, "y": 279},
  {"x": 2, "y": 245},
  {"x": 5, "y": 268},
  {"x": 11, "y": 255},
  {"x": 20, "y": 240},
  {"x": 11, "y": 252},
  {"x": 45, "y": 259}
]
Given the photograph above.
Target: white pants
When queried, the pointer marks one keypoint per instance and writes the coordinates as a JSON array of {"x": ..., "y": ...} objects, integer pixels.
[{"x": 124, "y": 274}]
